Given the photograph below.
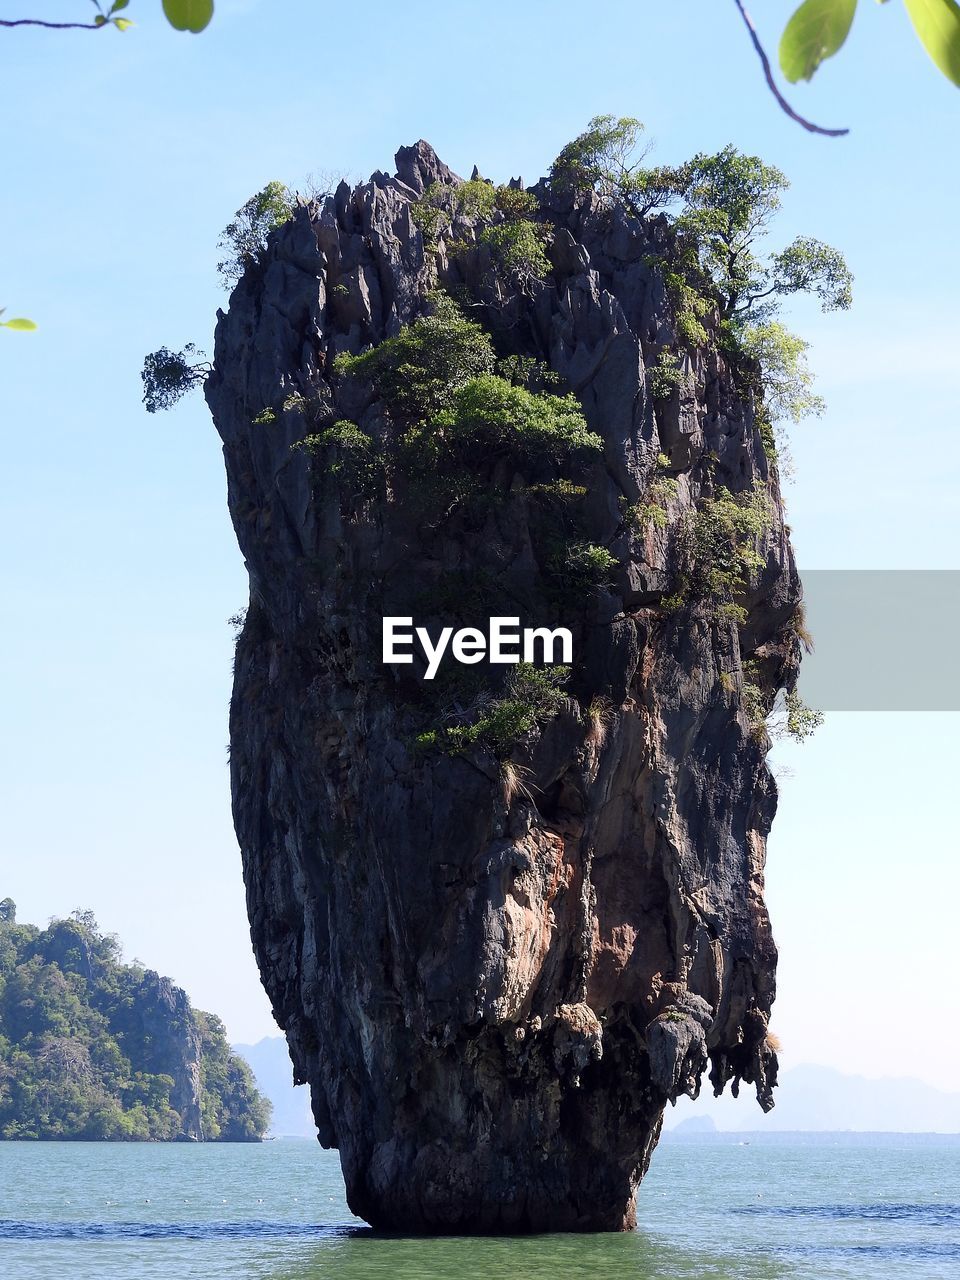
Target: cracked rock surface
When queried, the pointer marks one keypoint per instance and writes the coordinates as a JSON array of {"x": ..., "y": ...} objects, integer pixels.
[{"x": 494, "y": 991}]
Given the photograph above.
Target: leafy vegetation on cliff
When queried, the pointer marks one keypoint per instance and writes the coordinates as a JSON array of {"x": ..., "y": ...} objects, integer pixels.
[
  {"x": 531, "y": 694},
  {"x": 91, "y": 1048},
  {"x": 417, "y": 372},
  {"x": 453, "y": 416},
  {"x": 242, "y": 240}
]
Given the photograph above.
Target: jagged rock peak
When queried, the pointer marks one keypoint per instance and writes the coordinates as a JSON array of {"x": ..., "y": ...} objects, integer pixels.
[{"x": 419, "y": 165}]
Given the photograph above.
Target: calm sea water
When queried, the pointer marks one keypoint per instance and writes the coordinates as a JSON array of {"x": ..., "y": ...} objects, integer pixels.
[{"x": 743, "y": 1208}]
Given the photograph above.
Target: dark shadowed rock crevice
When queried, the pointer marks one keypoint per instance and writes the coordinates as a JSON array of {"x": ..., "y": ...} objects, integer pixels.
[{"x": 494, "y": 987}]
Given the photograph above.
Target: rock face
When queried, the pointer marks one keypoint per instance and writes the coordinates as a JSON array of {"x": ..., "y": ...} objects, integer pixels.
[
  {"x": 174, "y": 1048},
  {"x": 493, "y": 990}
]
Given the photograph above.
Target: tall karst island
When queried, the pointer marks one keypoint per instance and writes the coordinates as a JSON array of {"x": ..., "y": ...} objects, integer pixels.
[{"x": 506, "y": 911}]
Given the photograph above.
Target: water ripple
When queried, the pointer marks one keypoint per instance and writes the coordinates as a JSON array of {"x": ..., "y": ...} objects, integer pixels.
[
  {"x": 933, "y": 1215},
  {"x": 14, "y": 1230},
  {"x": 908, "y": 1251}
]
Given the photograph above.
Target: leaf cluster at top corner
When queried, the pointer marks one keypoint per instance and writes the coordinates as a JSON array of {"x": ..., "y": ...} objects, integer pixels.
[{"x": 818, "y": 29}]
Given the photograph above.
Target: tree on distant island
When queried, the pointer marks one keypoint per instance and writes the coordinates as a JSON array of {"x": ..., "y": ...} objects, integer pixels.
[{"x": 91, "y": 1048}]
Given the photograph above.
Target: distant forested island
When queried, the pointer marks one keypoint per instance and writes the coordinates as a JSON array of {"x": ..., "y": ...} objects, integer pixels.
[{"x": 91, "y": 1048}]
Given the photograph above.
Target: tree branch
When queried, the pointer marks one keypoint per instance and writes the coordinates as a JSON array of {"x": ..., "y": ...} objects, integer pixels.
[
  {"x": 53, "y": 26},
  {"x": 756, "y": 297},
  {"x": 772, "y": 84}
]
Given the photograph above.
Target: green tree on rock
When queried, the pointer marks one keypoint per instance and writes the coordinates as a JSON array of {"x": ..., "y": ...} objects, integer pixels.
[
  {"x": 608, "y": 158},
  {"x": 244, "y": 239},
  {"x": 168, "y": 375},
  {"x": 729, "y": 201}
]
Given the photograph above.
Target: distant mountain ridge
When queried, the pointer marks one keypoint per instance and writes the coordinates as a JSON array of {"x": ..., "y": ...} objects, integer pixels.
[
  {"x": 810, "y": 1098},
  {"x": 269, "y": 1060}
]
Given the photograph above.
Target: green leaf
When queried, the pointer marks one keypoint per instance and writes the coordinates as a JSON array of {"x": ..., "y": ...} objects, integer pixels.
[
  {"x": 118, "y": 5},
  {"x": 937, "y": 23},
  {"x": 24, "y": 326},
  {"x": 99, "y": 20},
  {"x": 188, "y": 15},
  {"x": 121, "y": 23},
  {"x": 815, "y": 32}
]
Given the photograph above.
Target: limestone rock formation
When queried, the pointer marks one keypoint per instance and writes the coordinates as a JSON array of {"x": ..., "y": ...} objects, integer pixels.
[{"x": 495, "y": 981}]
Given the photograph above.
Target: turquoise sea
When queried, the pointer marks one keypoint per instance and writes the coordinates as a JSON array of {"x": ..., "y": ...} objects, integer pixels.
[{"x": 734, "y": 1205}]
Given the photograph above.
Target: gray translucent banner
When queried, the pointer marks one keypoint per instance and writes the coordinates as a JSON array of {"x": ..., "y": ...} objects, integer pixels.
[{"x": 884, "y": 639}]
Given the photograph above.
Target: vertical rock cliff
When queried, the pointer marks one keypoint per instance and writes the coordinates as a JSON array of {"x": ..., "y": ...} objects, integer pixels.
[{"x": 494, "y": 973}]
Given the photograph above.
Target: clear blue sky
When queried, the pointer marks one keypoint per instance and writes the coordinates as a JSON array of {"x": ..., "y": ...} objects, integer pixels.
[{"x": 124, "y": 155}]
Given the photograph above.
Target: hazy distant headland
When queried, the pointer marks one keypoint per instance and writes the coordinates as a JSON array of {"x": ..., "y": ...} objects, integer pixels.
[
  {"x": 91, "y": 1048},
  {"x": 811, "y": 1098},
  {"x": 814, "y": 1097}
]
